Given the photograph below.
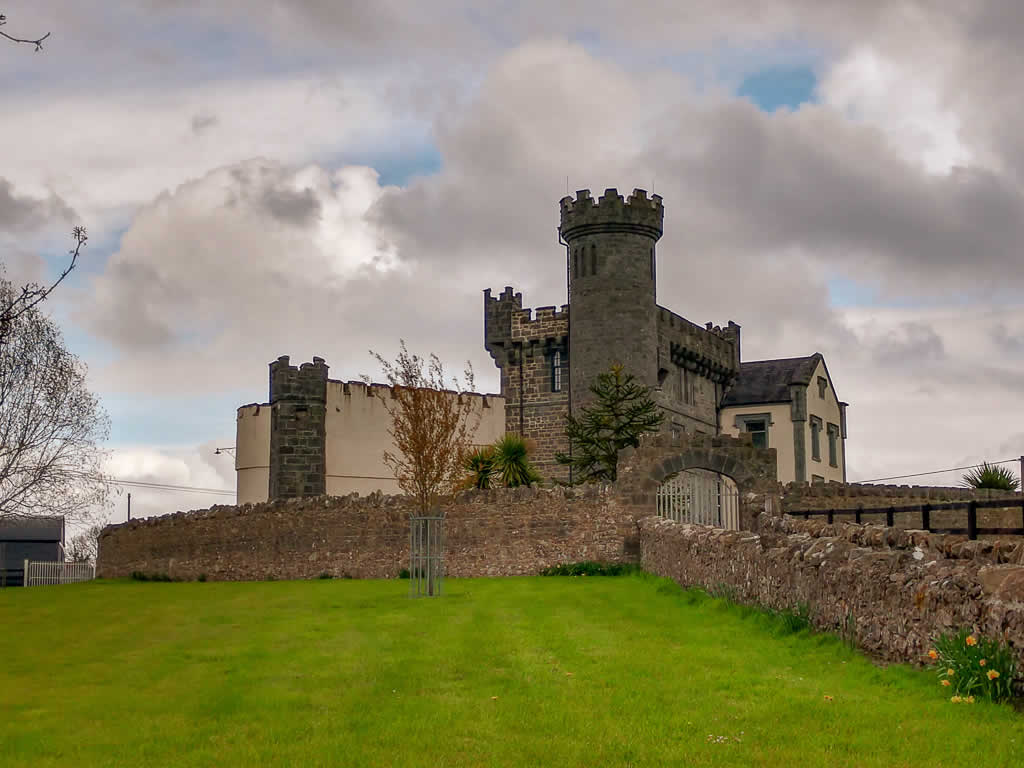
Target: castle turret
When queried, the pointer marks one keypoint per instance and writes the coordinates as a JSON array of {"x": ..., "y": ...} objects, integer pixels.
[
  {"x": 298, "y": 407},
  {"x": 612, "y": 279}
]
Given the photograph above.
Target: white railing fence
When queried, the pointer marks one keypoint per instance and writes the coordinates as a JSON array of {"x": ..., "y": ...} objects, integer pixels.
[
  {"x": 38, "y": 574},
  {"x": 701, "y": 497}
]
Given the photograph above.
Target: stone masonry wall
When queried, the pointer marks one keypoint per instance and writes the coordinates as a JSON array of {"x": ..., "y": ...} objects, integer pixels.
[
  {"x": 896, "y": 589},
  {"x": 849, "y": 496},
  {"x": 522, "y": 343},
  {"x": 298, "y": 433},
  {"x": 503, "y": 532}
]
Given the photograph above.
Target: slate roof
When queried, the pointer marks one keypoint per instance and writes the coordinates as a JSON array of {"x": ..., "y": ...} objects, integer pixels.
[
  {"x": 768, "y": 381},
  {"x": 32, "y": 529}
]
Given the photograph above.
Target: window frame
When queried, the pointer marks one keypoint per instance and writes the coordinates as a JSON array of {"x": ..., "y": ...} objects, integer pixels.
[
  {"x": 742, "y": 420},
  {"x": 816, "y": 425},
  {"x": 556, "y": 370},
  {"x": 832, "y": 431}
]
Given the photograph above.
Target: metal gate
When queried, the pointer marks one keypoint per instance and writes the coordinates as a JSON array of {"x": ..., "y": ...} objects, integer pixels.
[{"x": 702, "y": 497}]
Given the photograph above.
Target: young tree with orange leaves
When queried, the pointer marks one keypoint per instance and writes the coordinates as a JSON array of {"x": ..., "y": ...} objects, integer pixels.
[{"x": 432, "y": 425}]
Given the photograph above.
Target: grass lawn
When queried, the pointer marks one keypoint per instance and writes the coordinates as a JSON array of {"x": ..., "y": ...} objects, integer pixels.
[{"x": 499, "y": 672}]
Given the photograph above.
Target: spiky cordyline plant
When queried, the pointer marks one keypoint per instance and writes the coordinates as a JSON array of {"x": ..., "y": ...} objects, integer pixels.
[{"x": 991, "y": 476}]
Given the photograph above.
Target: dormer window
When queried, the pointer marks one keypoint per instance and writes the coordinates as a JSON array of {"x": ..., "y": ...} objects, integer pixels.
[{"x": 822, "y": 386}]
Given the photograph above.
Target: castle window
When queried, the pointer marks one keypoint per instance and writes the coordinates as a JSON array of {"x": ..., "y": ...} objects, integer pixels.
[
  {"x": 822, "y": 386},
  {"x": 593, "y": 259},
  {"x": 556, "y": 371},
  {"x": 833, "y": 445},
  {"x": 652, "y": 264},
  {"x": 815, "y": 438},
  {"x": 576, "y": 263},
  {"x": 686, "y": 382}
]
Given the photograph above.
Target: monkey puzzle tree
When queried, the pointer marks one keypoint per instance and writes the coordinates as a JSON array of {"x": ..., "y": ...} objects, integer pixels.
[{"x": 622, "y": 412}]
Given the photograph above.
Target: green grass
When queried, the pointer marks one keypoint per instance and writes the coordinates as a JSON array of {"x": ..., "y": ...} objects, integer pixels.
[{"x": 586, "y": 671}]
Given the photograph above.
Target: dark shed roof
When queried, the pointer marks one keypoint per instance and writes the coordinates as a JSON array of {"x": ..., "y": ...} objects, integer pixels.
[
  {"x": 32, "y": 529},
  {"x": 768, "y": 381}
]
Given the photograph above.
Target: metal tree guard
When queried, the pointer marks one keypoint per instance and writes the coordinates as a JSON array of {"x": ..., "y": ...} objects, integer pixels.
[{"x": 426, "y": 555}]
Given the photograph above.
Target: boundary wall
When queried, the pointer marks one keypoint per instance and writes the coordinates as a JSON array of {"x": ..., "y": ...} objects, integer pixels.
[
  {"x": 506, "y": 532},
  {"x": 890, "y": 590}
]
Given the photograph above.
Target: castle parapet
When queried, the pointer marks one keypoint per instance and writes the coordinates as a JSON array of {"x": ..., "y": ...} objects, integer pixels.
[
  {"x": 639, "y": 214},
  {"x": 712, "y": 351}
]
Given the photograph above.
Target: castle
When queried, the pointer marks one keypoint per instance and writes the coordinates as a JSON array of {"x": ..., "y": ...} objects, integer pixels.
[
  {"x": 318, "y": 435},
  {"x": 550, "y": 357}
]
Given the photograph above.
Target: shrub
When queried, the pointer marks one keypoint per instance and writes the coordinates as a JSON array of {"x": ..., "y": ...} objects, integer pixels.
[
  {"x": 591, "y": 568},
  {"x": 991, "y": 476},
  {"x": 404, "y": 573},
  {"x": 511, "y": 462},
  {"x": 969, "y": 665},
  {"x": 202, "y": 577},
  {"x": 141, "y": 576},
  {"x": 325, "y": 575},
  {"x": 480, "y": 465}
]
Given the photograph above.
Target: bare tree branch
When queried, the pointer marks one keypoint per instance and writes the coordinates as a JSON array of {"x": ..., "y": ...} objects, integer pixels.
[
  {"x": 14, "y": 305},
  {"x": 38, "y": 42},
  {"x": 51, "y": 425},
  {"x": 431, "y": 426}
]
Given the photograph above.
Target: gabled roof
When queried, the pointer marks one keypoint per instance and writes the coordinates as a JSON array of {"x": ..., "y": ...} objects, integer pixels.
[
  {"x": 32, "y": 529},
  {"x": 768, "y": 381}
]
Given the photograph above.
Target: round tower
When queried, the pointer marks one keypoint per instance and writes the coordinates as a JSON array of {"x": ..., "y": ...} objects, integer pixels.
[{"x": 612, "y": 279}]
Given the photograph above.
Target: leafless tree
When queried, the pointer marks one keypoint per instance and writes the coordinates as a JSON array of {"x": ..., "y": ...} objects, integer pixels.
[
  {"x": 37, "y": 42},
  {"x": 84, "y": 546},
  {"x": 15, "y": 303},
  {"x": 432, "y": 426},
  {"x": 51, "y": 425}
]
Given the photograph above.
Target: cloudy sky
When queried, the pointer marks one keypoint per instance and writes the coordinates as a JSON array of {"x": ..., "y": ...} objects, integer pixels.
[{"x": 319, "y": 177}]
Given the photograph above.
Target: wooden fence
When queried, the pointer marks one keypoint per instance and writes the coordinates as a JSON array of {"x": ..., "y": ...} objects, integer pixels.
[{"x": 925, "y": 509}]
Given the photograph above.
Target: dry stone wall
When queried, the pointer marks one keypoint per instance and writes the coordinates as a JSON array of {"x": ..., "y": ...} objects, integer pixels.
[
  {"x": 504, "y": 532},
  {"x": 895, "y": 589}
]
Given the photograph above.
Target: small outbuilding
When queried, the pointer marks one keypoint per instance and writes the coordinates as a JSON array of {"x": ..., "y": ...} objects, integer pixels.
[{"x": 39, "y": 539}]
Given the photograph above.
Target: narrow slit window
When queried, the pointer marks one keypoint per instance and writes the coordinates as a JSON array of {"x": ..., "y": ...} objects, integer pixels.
[
  {"x": 593, "y": 259},
  {"x": 556, "y": 371}
]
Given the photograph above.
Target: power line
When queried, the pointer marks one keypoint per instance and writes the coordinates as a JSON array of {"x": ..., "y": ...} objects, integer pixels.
[
  {"x": 168, "y": 487},
  {"x": 941, "y": 471}
]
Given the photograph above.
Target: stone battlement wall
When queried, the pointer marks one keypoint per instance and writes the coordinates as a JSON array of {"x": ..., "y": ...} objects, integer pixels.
[
  {"x": 893, "y": 590},
  {"x": 504, "y": 532}
]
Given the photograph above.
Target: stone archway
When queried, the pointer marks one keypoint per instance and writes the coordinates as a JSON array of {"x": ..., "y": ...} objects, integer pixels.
[{"x": 642, "y": 471}]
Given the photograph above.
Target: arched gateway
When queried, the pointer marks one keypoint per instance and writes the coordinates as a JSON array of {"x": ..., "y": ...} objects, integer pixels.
[{"x": 722, "y": 481}]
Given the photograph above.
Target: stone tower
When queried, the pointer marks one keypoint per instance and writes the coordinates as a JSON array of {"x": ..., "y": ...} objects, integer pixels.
[
  {"x": 298, "y": 408},
  {"x": 612, "y": 286}
]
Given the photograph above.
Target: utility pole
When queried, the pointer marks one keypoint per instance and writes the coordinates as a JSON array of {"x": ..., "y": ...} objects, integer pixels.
[{"x": 129, "y": 505}]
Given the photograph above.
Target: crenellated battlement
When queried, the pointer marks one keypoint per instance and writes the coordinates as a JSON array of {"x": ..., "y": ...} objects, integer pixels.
[
  {"x": 306, "y": 382},
  {"x": 358, "y": 388},
  {"x": 712, "y": 351},
  {"x": 639, "y": 214}
]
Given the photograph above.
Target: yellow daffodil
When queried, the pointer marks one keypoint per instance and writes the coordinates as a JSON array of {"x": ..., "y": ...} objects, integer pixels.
[
  {"x": 971, "y": 640},
  {"x": 950, "y": 673},
  {"x": 932, "y": 654},
  {"x": 981, "y": 662},
  {"x": 992, "y": 674},
  {"x": 946, "y": 682}
]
